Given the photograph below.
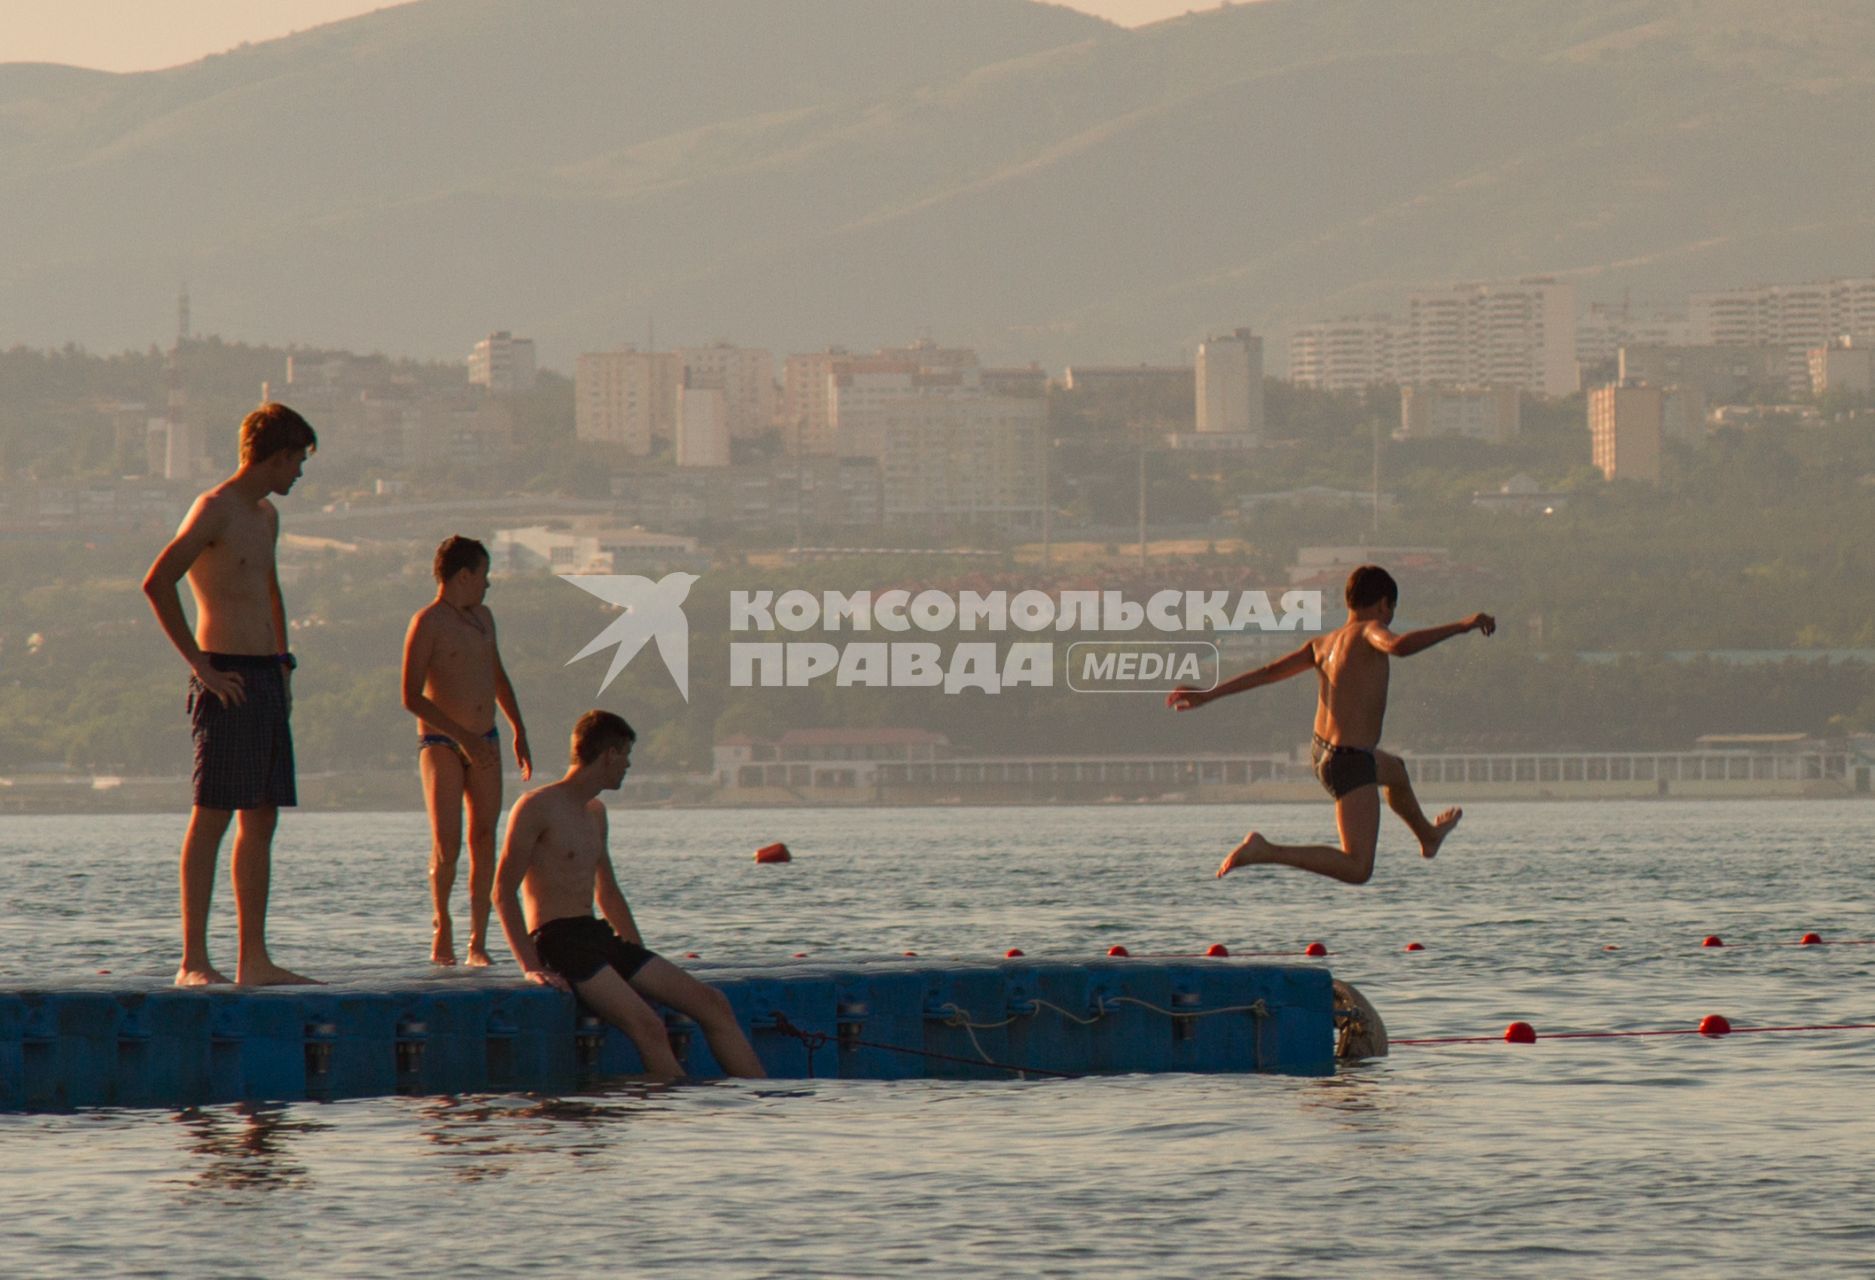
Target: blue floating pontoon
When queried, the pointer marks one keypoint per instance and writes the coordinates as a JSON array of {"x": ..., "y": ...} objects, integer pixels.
[{"x": 883, "y": 1019}]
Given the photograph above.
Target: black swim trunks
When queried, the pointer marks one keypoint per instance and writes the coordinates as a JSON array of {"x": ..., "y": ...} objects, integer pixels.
[
  {"x": 1343, "y": 769},
  {"x": 576, "y": 947},
  {"x": 244, "y": 751}
]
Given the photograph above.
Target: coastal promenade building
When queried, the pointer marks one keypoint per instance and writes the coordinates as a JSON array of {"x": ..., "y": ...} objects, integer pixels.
[{"x": 914, "y": 766}]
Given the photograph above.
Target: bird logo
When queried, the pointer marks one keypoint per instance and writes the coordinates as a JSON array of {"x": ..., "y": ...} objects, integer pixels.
[{"x": 652, "y": 611}]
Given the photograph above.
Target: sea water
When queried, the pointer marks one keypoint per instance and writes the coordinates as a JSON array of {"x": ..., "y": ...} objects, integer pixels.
[{"x": 1748, "y": 1155}]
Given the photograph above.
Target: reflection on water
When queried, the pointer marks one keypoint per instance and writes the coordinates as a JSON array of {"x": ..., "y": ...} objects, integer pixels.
[{"x": 246, "y": 1147}]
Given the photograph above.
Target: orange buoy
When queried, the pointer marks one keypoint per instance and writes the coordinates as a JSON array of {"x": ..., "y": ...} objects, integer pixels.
[
  {"x": 1520, "y": 1033},
  {"x": 1715, "y": 1024},
  {"x": 1217, "y": 949},
  {"x": 776, "y": 852},
  {"x": 1315, "y": 949},
  {"x": 1712, "y": 940},
  {"x": 1117, "y": 950},
  {"x": 1012, "y": 953},
  {"x": 1810, "y": 940}
]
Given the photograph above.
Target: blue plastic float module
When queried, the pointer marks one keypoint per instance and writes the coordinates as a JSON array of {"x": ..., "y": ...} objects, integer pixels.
[{"x": 860, "y": 1019}]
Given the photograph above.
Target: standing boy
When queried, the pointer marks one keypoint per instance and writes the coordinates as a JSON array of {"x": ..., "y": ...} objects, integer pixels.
[
  {"x": 555, "y": 857},
  {"x": 1350, "y": 664},
  {"x": 239, "y": 686},
  {"x": 453, "y": 681}
]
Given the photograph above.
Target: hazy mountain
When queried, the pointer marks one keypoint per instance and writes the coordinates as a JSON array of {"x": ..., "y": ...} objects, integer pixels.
[{"x": 1019, "y": 176}]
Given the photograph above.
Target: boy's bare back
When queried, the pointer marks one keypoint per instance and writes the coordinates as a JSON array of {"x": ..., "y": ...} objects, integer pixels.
[{"x": 1351, "y": 674}]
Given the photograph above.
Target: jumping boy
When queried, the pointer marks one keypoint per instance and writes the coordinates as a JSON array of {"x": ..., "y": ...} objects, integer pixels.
[
  {"x": 555, "y": 857},
  {"x": 453, "y": 681},
  {"x": 1350, "y": 664},
  {"x": 240, "y": 694}
]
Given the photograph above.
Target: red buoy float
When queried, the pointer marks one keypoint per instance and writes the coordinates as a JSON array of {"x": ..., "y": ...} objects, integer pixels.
[
  {"x": 776, "y": 852},
  {"x": 1712, "y": 940},
  {"x": 1520, "y": 1033},
  {"x": 1315, "y": 949},
  {"x": 1217, "y": 949},
  {"x": 1013, "y": 953},
  {"x": 1811, "y": 940},
  {"x": 1117, "y": 950},
  {"x": 1415, "y": 946},
  {"x": 1715, "y": 1024}
]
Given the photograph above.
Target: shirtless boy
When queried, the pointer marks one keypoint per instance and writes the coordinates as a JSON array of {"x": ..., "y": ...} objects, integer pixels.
[
  {"x": 555, "y": 858},
  {"x": 453, "y": 681},
  {"x": 1350, "y": 665},
  {"x": 239, "y": 686}
]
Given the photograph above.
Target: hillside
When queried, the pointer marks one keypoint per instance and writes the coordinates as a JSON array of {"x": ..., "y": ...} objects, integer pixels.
[{"x": 1014, "y": 175}]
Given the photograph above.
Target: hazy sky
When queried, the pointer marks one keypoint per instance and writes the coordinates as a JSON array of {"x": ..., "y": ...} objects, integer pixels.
[{"x": 135, "y": 35}]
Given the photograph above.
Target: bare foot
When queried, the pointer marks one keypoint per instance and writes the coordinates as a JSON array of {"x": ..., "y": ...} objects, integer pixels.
[
  {"x": 269, "y": 974},
  {"x": 1254, "y": 849},
  {"x": 443, "y": 945},
  {"x": 1441, "y": 828},
  {"x": 206, "y": 976},
  {"x": 478, "y": 957}
]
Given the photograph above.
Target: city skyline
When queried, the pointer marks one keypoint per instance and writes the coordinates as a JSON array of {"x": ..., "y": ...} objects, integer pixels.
[{"x": 130, "y": 35}]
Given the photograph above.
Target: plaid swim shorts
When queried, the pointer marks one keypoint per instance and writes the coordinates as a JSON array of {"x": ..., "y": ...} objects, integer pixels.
[{"x": 244, "y": 752}]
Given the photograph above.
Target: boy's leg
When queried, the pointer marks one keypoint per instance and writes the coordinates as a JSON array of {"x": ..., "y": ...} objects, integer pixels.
[
  {"x": 199, "y": 846},
  {"x": 482, "y": 789},
  {"x": 253, "y": 878},
  {"x": 669, "y": 985},
  {"x": 612, "y": 998},
  {"x": 1401, "y": 800},
  {"x": 442, "y": 769},
  {"x": 1357, "y": 818}
]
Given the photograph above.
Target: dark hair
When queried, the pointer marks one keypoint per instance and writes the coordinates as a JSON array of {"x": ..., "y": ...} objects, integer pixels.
[
  {"x": 597, "y": 733},
  {"x": 456, "y": 553},
  {"x": 1370, "y": 584},
  {"x": 274, "y": 428}
]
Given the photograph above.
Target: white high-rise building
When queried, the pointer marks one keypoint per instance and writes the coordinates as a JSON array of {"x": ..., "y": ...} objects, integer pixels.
[
  {"x": 1229, "y": 385},
  {"x": 1520, "y": 334},
  {"x": 1347, "y": 354},
  {"x": 503, "y": 363},
  {"x": 948, "y": 449},
  {"x": 702, "y": 425},
  {"x": 626, "y": 398},
  {"x": 746, "y": 376}
]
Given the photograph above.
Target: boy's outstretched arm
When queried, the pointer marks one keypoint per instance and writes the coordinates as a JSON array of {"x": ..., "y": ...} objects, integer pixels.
[
  {"x": 1405, "y": 646},
  {"x": 1184, "y": 698},
  {"x": 517, "y": 852}
]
